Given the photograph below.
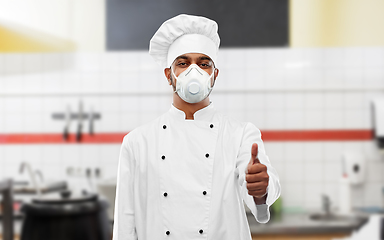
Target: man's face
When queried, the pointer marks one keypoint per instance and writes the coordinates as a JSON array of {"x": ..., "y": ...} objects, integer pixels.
[{"x": 182, "y": 62}]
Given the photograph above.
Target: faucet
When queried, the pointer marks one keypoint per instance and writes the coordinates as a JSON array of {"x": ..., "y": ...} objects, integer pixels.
[
  {"x": 40, "y": 174},
  {"x": 326, "y": 202},
  {"x": 31, "y": 176}
]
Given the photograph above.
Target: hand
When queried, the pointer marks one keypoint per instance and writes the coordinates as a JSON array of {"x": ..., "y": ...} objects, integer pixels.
[{"x": 257, "y": 177}]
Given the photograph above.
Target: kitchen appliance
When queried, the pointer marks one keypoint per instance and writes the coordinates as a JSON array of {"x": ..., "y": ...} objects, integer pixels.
[
  {"x": 81, "y": 217},
  {"x": 354, "y": 167}
]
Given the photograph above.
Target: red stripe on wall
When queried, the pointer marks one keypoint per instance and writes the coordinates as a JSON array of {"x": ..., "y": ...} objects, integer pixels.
[
  {"x": 56, "y": 138},
  {"x": 116, "y": 138},
  {"x": 317, "y": 135}
]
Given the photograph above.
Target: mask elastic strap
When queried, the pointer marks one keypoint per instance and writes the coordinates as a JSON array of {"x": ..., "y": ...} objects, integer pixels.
[
  {"x": 212, "y": 75},
  {"x": 173, "y": 73},
  {"x": 173, "y": 82}
]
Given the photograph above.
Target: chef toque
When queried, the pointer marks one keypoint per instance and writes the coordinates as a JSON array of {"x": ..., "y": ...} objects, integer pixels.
[{"x": 184, "y": 34}]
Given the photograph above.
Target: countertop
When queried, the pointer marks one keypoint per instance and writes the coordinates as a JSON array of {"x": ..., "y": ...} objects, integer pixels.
[
  {"x": 301, "y": 223},
  {"x": 288, "y": 224}
]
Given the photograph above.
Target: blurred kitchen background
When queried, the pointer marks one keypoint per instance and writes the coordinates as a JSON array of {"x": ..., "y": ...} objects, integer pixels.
[{"x": 75, "y": 77}]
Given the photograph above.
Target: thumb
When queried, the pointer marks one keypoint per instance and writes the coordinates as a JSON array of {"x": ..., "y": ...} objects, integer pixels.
[{"x": 254, "y": 152}]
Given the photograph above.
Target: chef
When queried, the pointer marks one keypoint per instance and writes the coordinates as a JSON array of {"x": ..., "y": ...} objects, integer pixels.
[{"x": 187, "y": 174}]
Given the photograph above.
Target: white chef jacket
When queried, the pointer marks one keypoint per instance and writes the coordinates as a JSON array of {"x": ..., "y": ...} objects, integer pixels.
[{"x": 184, "y": 179}]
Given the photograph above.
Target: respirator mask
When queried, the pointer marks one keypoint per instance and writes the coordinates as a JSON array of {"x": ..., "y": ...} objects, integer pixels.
[{"x": 194, "y": 84}]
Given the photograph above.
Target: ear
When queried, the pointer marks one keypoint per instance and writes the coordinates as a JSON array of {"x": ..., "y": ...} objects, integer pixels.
[
  {"x": 215, "y": 76},
  {"x": 167, "y": 73},
  {"x": 216, "y": 73}
]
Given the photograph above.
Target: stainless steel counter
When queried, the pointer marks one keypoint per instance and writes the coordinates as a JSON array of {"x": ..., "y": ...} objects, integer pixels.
[
  {"x": 289, "y": 223},
  {"x": 301, "y": 223}
]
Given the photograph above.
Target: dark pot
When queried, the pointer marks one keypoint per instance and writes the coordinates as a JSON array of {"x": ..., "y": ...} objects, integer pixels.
[{"x": 82, "y": 218}]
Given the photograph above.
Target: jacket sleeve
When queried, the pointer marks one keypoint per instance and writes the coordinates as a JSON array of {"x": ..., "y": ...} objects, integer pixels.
[
  {"x": 124, "y": 227},
  {"x": 253, "y": 135}
]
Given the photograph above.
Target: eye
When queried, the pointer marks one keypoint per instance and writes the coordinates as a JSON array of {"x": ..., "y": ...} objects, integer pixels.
[
  {"x": 205, "y": 65},
  {"x": 182, "y": 64}
]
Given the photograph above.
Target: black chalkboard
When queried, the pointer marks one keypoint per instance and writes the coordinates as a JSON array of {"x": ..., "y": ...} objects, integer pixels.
[{"x": 242, "y": 23}]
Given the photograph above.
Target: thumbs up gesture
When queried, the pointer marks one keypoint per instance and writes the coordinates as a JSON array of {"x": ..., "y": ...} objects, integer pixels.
[{"x": 257, "y": 177}]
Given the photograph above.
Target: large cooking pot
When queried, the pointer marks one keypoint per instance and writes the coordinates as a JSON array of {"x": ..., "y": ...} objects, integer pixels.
[{"x": 70, "y": 218}]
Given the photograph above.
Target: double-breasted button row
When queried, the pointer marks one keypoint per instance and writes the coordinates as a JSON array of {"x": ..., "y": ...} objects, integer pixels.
[
  {"x": 165, "y": 194},
  {"x": 206, "y": 155},
  {"x": 201, "y": 231},
  {"x": 211, "y": 126}
]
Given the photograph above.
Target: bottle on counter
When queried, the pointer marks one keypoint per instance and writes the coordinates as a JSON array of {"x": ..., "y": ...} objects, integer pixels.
[{"x": 345, "y": 195}]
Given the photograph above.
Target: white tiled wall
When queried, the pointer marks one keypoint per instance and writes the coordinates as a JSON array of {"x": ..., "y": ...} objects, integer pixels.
[{"x": 287, "y": 89}]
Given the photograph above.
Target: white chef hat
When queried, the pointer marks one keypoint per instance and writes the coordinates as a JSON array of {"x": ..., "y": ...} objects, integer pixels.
[{"x": 184, "y": 34}]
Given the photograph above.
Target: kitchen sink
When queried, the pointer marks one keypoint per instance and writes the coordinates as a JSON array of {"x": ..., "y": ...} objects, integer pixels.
[{"x": 309, "y": 223}]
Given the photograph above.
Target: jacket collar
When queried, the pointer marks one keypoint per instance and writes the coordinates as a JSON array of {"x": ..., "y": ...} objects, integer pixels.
[{"x": 204, "y": 114}]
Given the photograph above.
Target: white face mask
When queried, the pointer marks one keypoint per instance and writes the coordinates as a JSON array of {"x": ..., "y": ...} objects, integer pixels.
[{"x": 194, "y": 84}]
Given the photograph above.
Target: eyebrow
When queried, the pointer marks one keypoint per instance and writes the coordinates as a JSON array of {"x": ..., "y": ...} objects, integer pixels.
[
  {"x": 205, "y": 58},
  {"x": 187, "y": 58},
  {"x": 182, "y": 57}
]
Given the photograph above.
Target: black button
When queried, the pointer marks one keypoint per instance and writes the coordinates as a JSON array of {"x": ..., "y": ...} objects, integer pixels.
[
  {"x": 167, "y": 232},
  {"x": 165, "y": 194},
  {"x": 164, "y": 126},
  {"x": 211, "y": 126},
  {"x": 163, "y": 157},
  {"x": 205, "y": 192},
  {"x": 207, "y": 155},
  {"x": 201, "y": 231}
]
